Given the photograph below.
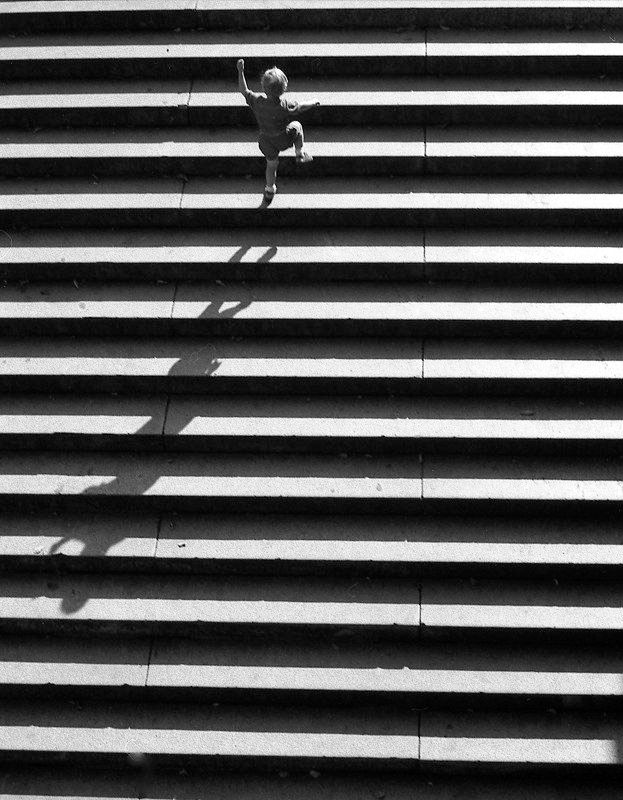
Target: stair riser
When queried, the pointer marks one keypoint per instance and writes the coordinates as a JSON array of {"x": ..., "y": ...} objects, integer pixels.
[
  {"x": 109, "y": 563},
  {"x": 230, "y": 271},
  {"x": 261, "y": 19},
  {"x": 257, "y": 632},
  {"x": 135, "y": 502},
  {"x": 337, "y": 699},
  {"x": 327, "y": 218},
  {"x": 321, "y": 166},
  {"x": 507, "y": 273},
  {"x": 253, "y": 165},
  {"x": 305, "y": 328},
  {"x": 212, "y": 766},
  {"x": 592, "y": 66},
  {"x": 308, "y": 444},
  {"x": 174, "y": 384},
  {"x": 303, "y": 66},
  {"x": 327, "y": 115},
  {"x": 217, "y": 67}
]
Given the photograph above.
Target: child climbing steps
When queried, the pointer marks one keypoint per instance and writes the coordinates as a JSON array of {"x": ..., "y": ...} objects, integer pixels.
[{"x": 275, "y": 119}]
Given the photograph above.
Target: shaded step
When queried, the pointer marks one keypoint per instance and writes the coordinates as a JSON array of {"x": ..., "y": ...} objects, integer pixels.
[
  {"x": 221, "y": 365},
  {"x": 156, "y": 14},
  {"x": 227, "y": 735},
  {"x": 290, "y": 482},
  {"x": 343, "y": 101},
  {"x": 552, "y": 610},
  {"x": 81, "y": 102},
  {"x": 258, "y": 254},
  {"x": 312, "y": 202},
  {"x": 403, "y": 150},
  {"x": 395, "y": 673},
  {"x": 212, "y": 53},
  {"x": 31, "y": 782},
  {"x": 348, "y": 52},
  {"x": 282, "y": 424},
  {"x": 545, "y": 741},
  {"x": 337, "y": 151},
  {"x": 235, "y": 482},
  {"x": 416, "y": 545},
  {"x": 91, "y": 538},
  {"x": 516, "y": 51},
  {"x": 307, "y": 544},
  {"x": 247, "y": 604},
  {"x": 512, "y": 256},
  {"x": 525, "y": 151},
  {"x": 310, "y": 309},
  {"x": 369, "y": 425},
  {"x": 516, "y": 483},
  {"x": 520, "y": 366},
  {"x": 304, "y": 366},
  {"x": 315, "y": 671},
  {"x": 517, "y": 256},
  {"x": 77, "y": 422}
]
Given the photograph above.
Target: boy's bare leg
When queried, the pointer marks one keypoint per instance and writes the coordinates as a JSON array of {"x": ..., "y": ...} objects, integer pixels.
[
  {"x": 271, "y": 176},
  {"x": 302, "y": 156}
]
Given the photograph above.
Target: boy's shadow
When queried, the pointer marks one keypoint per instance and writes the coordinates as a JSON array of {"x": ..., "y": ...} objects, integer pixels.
[{"x": 132, "y": 484}]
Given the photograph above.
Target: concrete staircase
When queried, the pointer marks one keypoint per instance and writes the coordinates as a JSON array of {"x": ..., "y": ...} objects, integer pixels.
[{"x": 321, "y": 500}]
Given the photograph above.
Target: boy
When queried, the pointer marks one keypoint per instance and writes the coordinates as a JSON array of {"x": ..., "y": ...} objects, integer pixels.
[{"x": 274, "y": 116}]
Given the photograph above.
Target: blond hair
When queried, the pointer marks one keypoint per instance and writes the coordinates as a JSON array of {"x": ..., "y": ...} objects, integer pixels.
[{"x": 274, "y": 82}]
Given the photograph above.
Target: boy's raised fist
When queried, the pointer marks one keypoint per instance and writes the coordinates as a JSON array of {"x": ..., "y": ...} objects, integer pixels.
[{"x": 240, "y": 64}]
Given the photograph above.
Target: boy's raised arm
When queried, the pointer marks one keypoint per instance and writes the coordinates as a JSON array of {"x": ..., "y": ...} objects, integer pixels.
[{"x": 242, "y": 81}]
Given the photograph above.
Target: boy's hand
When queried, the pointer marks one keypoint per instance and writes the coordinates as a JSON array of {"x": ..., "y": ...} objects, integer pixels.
[{"x": 240, "y": 65}]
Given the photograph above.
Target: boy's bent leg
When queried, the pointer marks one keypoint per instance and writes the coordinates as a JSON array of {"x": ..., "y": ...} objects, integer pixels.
[
  {"x": 271, "y": 175},
  {"x": 295, "y": 129}
]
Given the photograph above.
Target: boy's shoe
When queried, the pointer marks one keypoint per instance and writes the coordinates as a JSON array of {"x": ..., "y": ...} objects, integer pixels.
[
  {"x": 269, "y": 195},
  {"x": 303, "y": 157}
]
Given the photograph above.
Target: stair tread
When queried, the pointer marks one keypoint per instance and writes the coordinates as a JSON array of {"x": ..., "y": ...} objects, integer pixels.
[{"x": 367, "y": 301}]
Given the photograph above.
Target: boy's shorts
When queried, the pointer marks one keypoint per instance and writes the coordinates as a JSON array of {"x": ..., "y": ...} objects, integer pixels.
[{"x": 271, "y": 146}]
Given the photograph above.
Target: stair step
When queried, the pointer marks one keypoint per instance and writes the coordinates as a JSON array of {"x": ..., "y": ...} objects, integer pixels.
[
  {"x": 34, "y": 782},
  {"x": 349, "y": 309},
  {"x": 520, "y": 481},
  {"x": 338, "y": 151},
  {"x": 308, "y": 671},
  {"x": 146, "y": 604},
  {"x": 260, "y": 481},
  {"x": 241, "y": 735},
  {"x": 351, "y": 52},
  {"x": 223, "y": 150},
  {"x": 304, "y": 544},
  {"x": 514, "y": 257},
  {"x": 464, "y": 365},
  {"x": 293, "y": 365},
  {"x": 343, "y": 101},
  {"x": 304, "y": 366},
  {"x": 313, "y": 202},
  {"x": 90, "y": 537},
  {"x": 283, "y": 254},
  {"x": 282, "y": 424},
  {"x": 52, "y": 15},
  {"x": 256, "y": 481},
  {"x": 486, "y": 609},
  {"x": 122, "y": 55},
  {"x": 493, "y": 740}
]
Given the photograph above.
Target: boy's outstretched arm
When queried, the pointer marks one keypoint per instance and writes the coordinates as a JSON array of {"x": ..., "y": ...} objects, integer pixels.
[
  {"x": 242, "y": 81},
  {"x": 303, "y": 107}
]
